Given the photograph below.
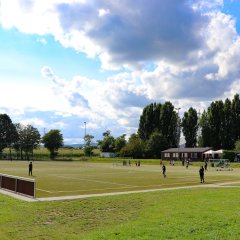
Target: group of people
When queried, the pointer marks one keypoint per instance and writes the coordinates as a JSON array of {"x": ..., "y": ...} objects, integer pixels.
[{"x": 201, "y": 170}]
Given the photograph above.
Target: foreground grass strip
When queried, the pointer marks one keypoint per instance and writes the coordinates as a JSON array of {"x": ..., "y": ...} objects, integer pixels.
[{"x": 203, "y": 213}]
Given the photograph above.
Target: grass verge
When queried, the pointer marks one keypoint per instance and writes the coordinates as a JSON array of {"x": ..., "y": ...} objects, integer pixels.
[{"x": 179, "y": 214}]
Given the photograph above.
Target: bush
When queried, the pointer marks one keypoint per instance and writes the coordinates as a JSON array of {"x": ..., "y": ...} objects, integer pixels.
[{"x": 229, "y": 154}]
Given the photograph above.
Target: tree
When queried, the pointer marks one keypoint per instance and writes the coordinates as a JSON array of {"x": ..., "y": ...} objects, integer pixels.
[
  {"x": 156, "y": 143},
  {"x": 8, "y": 133},
  {"x": 53, "y": 140},
  {"x": 161, "y": 118},
  {"x": 237, "y": 145},
  {"x": 190, "y": 127},
  {"x": 108, "y": 142},
  {"x": 120, "y": 142},
  {"x": 227, "y": 132},
  {"x": 149, "y": 121},
  {"x": 88, "y": 139},
  {"x": 28, "y": 139},
  {"x": 169, "y": 124},
  {"x": 205, "y": 138},
  {"x": 88, "y": 148},
  {"x": 134, "y": 148},
  {"x": 215, "y": 118},
  {"x": 236, "y": 116}
]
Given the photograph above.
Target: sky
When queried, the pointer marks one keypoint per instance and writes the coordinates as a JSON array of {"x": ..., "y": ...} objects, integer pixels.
[{"x": 66, "y": 62}]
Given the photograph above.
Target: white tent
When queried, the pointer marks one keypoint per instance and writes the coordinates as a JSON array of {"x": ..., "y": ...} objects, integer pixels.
[
  {"x": 220, "y": 151},
  {"x": 209, "y": 152},
  {"x": 213, "y": 153}
]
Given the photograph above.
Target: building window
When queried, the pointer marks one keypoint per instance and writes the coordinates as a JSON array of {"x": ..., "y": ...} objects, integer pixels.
[
  {"x": 175, "y": 155},
  {"x": 166, "y": 155},
  {"x": 194, "y": 155}
]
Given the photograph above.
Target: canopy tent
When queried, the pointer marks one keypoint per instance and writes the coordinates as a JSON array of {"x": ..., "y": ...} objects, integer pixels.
[
  {"x": 209, "y": 152},
  {"x": 220, "y": 151},
  {"x": 213, "y": 153}
]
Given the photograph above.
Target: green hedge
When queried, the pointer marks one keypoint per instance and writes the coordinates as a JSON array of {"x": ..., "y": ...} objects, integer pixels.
[{"x": 229, "y": 154}]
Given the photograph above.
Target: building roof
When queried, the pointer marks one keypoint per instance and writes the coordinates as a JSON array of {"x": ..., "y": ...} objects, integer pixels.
[{"x": 186, "y": 150}]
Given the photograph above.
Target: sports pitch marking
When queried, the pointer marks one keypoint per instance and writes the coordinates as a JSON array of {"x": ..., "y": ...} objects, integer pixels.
[
  {"x": 42, "y": 190},
  {"x": 29, "y": 199},
  {"x": 144, "y": 186},
  {"x": 91, "y": 180},
  {"x": 214, "y": 185}
]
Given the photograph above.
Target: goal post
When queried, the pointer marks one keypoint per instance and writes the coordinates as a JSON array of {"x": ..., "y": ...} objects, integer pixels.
[{"x": 220, "y": 164}]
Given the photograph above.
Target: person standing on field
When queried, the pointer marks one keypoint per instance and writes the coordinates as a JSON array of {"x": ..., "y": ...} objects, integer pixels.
[
  {"x": 164, "y": 170},
  {"x": 30, "y": 168},
  {"x": 201, "y": 174},
  {"x": 205, "y": 166}
]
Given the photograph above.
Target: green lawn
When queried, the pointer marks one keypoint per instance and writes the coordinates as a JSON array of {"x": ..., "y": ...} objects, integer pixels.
[
  {"x": 197, "y": 213},
  {"x": 76, "y": 178},
  {"x": 204, "y": 213}
]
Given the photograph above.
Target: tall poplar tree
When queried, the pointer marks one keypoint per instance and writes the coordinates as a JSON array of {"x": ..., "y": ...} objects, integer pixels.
[
  {"x": 228, "y": 131},
  {"x": 236, "y": 116},
  {"x": 162, "y": 119},
  {"x": 169, "y": 124},
  {"x": 205, "y": 138},
  {"x": 216, "y": 117},
  {"x": 190, "y": 127},
  {"x": 149, "y": 120}
]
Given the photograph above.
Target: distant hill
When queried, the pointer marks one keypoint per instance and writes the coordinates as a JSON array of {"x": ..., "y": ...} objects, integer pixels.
[{"x": 78, "y": 145}]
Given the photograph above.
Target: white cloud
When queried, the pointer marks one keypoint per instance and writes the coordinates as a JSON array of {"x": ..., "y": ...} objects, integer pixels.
[
  {"x": 193, "y": 46},
  {"x": 73, "y": 140},
  {"x": 37, "y": 122},
  {"x": 102, "y": 12},
  {"x": 42, "y": 41},
  {"x": 116, "y": 31}
]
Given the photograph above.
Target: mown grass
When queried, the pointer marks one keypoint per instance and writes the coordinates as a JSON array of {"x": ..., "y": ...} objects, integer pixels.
[
  {"x": 78, "y": 178},
  {"x": 179, "y": 214}
]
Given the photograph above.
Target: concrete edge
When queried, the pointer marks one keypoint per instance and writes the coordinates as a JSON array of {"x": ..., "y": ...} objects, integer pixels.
[
  {"x": 18, "y": 196},
  {"x": 29, "y": 199}
]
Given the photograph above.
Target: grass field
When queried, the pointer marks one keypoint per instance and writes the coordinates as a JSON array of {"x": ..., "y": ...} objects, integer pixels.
[
  {"x": 195, "y": 213},
  {"x": 77, "y": 178},
  {"x": 189, "y": 214}
]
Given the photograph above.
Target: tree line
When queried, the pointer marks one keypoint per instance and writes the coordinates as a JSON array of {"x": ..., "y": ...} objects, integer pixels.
[
  {"x": 160, "y": 128},
  {"x": 25, "y": 138},
  {"x": 217, "y": 127}
]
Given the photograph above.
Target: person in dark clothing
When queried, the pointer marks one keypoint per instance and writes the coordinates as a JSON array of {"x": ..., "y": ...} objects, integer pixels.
[
  {"x": 187, "y": 163},
  {"x": 30, "y": 168},
  {"x": 164, "y": 170},
  {"x": 201, "y": 174},
  {"x": 205, "y": 166}
]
